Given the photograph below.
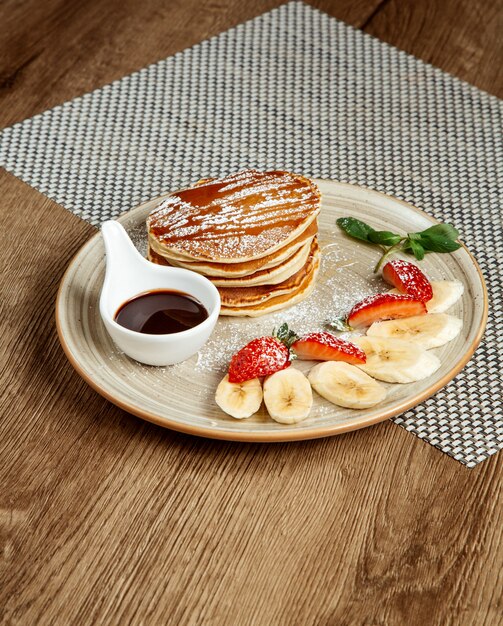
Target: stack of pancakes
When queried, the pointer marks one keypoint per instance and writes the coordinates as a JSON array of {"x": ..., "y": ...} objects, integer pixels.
[{"x": 253, "y": 234}]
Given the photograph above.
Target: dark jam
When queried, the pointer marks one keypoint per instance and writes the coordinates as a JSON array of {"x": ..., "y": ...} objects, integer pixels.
[{"x": 161, "y": 312}]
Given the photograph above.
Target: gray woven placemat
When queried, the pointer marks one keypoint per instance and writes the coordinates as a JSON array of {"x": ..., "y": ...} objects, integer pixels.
[{"x": 297, "y": 89}]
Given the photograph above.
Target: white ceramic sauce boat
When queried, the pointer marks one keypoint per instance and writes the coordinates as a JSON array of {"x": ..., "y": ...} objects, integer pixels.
[{"x": 128, "y": 274}]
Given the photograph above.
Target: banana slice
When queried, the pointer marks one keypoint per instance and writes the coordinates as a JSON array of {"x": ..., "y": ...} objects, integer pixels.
[
  {"x": 395, "y": 360},
  {"x": 346, "y": 385},
  {"x": 288, "y": 396},
  {"x": 429, "y": 331},
  {"x": 445, "y": 294},
  {"x": 239, "y": 400}
]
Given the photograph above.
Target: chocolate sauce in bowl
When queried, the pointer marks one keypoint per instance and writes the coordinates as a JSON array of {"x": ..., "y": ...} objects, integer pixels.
[{"x": 161, "y": 312}]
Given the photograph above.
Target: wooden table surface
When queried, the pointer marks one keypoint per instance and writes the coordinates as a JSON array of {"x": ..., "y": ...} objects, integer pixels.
[{"x": 108, "y": 519}]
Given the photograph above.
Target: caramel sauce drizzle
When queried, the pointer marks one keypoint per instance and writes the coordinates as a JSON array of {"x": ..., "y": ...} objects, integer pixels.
[{"x": 242, "y": 214}]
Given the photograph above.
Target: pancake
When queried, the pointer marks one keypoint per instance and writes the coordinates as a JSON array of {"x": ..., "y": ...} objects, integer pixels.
[
  {"x": 239, "y": 218},
  {"x": 278, "y": 302},
  {"x": 228, "y": 270},
  {"x": 240, "y": 297},
  {"x": 271, "y": 276}
]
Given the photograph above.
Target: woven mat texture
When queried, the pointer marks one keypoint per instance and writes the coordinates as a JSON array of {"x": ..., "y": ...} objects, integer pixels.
[{"x": 299, "y": 90}]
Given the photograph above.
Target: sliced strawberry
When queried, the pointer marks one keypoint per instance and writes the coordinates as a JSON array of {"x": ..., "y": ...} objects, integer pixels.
[
  {"x": 384, "y": 306},
  {"x": 326, "y": 347},
  {"x": 408, "y": 278},
  {"x": 260, "y": 357}
]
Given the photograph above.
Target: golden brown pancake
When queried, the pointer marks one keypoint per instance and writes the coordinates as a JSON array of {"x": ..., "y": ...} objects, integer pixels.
[
  {"x": 238, "y": 299},
  {"x": 271, "y": 276},
  {"x": 253, "y": 296},
  {"x": 278, "y": 302},
  {"x": 228, "y": 270},
  {"x": 242, "y": 217}
]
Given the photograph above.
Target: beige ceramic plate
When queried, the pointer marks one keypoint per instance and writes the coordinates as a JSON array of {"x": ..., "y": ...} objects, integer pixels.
[{"x": 181, "y": 396}]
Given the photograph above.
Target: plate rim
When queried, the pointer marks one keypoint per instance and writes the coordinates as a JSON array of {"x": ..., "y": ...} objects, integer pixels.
[{"x": 276, "y": 436}]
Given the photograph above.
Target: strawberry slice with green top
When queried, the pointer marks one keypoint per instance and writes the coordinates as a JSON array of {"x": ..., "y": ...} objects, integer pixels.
[
  {"x": 260, "y": 357},
  {"x": 408, "y": 279},
  {"x": 384, "y": 306},
  {"x": 324, "y": 346}
]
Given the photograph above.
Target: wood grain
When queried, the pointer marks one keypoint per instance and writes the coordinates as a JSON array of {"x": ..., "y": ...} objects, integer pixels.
[
  {"x": 106, "y": 519},
  {"x": 460, "y": 36}
]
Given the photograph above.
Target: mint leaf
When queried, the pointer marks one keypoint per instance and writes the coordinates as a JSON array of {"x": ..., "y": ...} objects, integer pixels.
[
  {"x": 414, "y": 236},
  {"x": 439, "y": 238},
  {"x": 411, "y": 245},
  {"x": 355, "y": 228},
  {"x": 384, "y": 237},
  {"x": 442, "y": 231},
  {"x": 437, "y": 244}
]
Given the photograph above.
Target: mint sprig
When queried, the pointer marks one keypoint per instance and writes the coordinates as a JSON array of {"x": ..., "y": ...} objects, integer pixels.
[{"x": 439, "y": 238}]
